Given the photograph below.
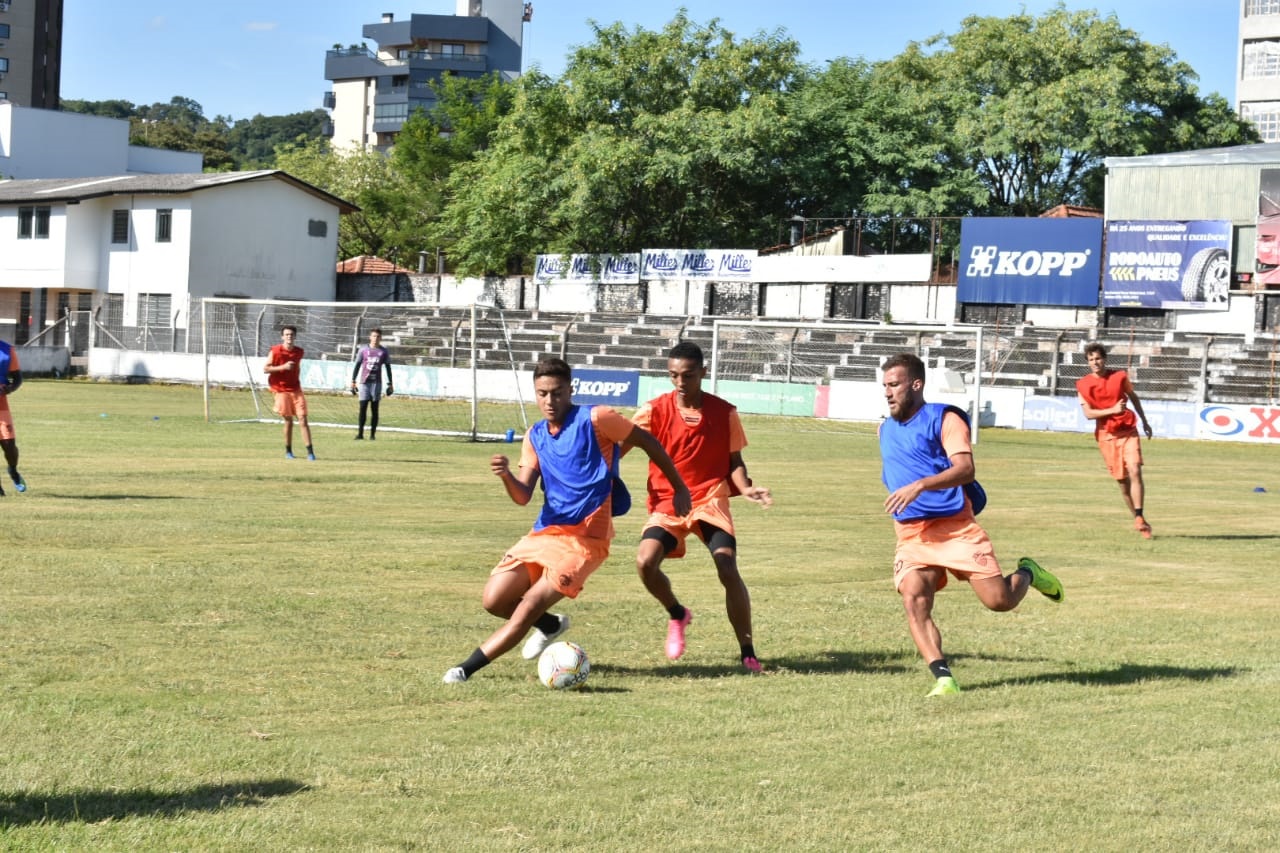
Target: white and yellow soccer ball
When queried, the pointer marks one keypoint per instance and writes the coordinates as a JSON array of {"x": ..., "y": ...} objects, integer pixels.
[{"x": 563, "y": 665}]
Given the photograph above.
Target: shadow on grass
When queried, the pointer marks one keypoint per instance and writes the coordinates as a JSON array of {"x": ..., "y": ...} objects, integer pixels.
[
  {"x": 822, "y": 662},
  {"x": 96, "y": 806},
  {"x": 57, "y": 496},
  {"x": 1226, "y": 537},
  {"x": 1128, "y": 673}
]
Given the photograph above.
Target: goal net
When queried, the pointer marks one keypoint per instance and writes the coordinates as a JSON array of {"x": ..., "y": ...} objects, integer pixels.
[{"x": 452, "y": 366}]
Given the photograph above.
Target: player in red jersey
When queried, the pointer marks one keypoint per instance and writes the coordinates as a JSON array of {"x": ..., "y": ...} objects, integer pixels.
[
  {"x": 1105, "y": 395},
  {"x": 283, "y": 369}
]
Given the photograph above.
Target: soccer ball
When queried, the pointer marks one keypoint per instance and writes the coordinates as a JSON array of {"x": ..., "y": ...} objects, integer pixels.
[{"x": 563, "y": 665}]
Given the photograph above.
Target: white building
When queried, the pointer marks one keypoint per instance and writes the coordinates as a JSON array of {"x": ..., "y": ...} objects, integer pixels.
[
  {"x": 1258, "y": 67},
  {"x": 141, "y": 250},
  {"x": 51, "y": 144}
]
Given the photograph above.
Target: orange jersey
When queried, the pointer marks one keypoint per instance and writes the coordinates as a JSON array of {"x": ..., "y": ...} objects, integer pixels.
[
  {"x": 285, "y": 380},
  {"x": 1103, "y": 392},
  {"x": 700, "y": 442}
]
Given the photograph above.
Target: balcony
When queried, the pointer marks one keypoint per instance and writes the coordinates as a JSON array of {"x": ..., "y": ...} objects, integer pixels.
[{"x": 330, "y": 101}]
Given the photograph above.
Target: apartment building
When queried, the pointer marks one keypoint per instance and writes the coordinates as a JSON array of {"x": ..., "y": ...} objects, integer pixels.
[
  {"x": 375, "y": 91},
  {"x": 1258, "y": 67},
  {"x": 31, "y": 52}
]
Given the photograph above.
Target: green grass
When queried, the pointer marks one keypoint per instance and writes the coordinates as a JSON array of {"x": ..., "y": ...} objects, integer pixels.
[{"x": 205, "y": 647}]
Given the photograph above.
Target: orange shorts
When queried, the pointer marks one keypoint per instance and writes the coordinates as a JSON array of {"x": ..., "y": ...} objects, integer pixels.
[
  {"x": 956, "y": 543},
  {"x": 714, "y": 511},
  {"x": 566, "y": 561},
  {"x": 6, "y": 425},
  {"x": 1122, "y": 453},
  {"x": 291, "y": 404}
]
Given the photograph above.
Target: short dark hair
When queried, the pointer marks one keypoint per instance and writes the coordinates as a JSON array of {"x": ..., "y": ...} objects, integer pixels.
[
  {"x": 284, "y": 329},
  {"x": 1093, "y": 347},
  {"x": 375, "y": 329},
  {"x": 908, "y": 360},
  {"x": 688, "y": 351},
  {"x": 553, "y": 367}
]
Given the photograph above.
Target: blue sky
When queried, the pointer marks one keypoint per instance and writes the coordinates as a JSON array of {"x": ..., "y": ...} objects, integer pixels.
[{"x": 239, "y": 58}]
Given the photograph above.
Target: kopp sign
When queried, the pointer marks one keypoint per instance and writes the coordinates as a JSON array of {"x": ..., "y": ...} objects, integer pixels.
[
  {"x": 1030, "y": 261},
  {"x": 606, "y": 387}
]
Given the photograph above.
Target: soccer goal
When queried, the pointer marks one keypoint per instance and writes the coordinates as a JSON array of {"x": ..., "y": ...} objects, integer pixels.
[{"x": 452, "y": 366}]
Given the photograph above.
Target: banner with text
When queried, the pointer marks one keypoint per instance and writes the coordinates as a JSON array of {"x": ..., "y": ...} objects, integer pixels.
[
  {"x": 1030, "y": 261},
  {"x": 697, "y": 264},
  {"x": 616, "y": 388},
  {"x": 588, "y": 269},
  {"x": 1168, "y": 264}
]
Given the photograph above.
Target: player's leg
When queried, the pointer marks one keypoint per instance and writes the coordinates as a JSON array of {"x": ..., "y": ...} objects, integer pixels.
[
  {"x": 1137, "y": 488},
  {"x": 1002, "y": 593},
  {"x": 918, "y": 587},
  {"x": 10, "y": 446},
  {"x": 288, "y": 436},
  {"x": 656, "y": 543},
  {"x": 360, "y": 421},
  {"x": 528, "y": 608},
  {"x": 373, "y": 419},
  {"x": 737, "y": 599}
]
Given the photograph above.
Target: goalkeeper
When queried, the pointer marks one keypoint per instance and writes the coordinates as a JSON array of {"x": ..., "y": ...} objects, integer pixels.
[{"x": 366, "y": 382}]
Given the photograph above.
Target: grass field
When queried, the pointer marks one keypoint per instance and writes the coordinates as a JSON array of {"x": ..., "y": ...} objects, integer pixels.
[{"x": 204, "y": 646}]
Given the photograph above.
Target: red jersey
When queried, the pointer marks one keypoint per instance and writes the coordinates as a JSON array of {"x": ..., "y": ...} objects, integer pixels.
[
  {"x": 700, "y": 449},
  {"x": 285, "y": 380},
  {"x": 1103, "y": 392}
]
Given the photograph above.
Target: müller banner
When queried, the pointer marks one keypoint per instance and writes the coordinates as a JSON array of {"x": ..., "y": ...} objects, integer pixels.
[
  {"x": 588, "y": 269},
  {"x": 697, "y": 264},
  {"x": 1168, "y": 264}
]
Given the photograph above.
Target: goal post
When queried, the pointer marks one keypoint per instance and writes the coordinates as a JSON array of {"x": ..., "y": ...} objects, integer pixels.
[
  {"x": 843, "y": 360},
  {"x": 452, "y": 365}
]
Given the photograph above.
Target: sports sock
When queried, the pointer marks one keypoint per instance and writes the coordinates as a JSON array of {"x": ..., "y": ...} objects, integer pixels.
[
  {"x": 309, "y": 450},
  {"x": 1137, "y": 512},
  {"x": 477, "y": 660},
  {"x": 748, "y": 651},
  {"x": 940, "y": 669},
  {"x": 676, "y": 611},
  {"x": 288, "y": 448},
  {"x": 548, "y": 623}
]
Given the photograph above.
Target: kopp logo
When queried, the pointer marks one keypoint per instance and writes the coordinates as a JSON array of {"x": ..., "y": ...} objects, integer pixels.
[{"x": 986, "y": 261}]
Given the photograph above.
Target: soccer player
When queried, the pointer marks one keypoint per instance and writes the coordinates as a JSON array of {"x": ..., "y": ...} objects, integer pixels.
[
  {"x": 366, "y": 381},
  {"x": 1105, "y": 395},
  {"x": 10, "y": 381},
  {"x": 575, "y": 451},
  {"x": 704, "y": 437},
  {"x": 929, "y": 471},
  {"x": 283, "y": 369}
]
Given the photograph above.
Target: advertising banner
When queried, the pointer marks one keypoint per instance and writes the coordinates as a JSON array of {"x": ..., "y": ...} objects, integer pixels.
[
  {"x": 697, "y": 264},
  {"x": 616, "y": 388},
  {"x": 1266, "y": 260},
  {"x": 1030, "y": 261},
  {"x": 1168, "y": 264},
  {"x": 1260, "y": 424},
  {"x": 588, "y": 269}
]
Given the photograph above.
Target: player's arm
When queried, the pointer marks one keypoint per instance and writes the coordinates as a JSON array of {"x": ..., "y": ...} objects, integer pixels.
[
  {"x": 519, "y": 486},
  {"x": 742, "y": 482},
  {"x": 955, "y": 443},
  {"x": 1137, "y": 406},
  {"x": 355, "y": 370},
  {"x": 1093, "y": 413},
  {"x": 12, "y": 384},
  {"x": 386, "y": 362},
  {"x": 653, "y": 448}
]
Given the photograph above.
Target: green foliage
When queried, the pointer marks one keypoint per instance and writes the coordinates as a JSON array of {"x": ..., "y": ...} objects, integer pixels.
[
  {"x": 209, "y": 648},
  {"x": 669, "y": 138},
  {"x": 1031, "y": 106}
]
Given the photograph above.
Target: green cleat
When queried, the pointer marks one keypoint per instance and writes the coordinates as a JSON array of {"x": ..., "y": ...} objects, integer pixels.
[
  {"x": 946, "y": 686},
  {"x": 1044, "y": 581}
]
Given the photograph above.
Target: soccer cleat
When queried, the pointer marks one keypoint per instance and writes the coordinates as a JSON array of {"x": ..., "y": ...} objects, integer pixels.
[
  {"x": 372, "y": 437},
  {"x": 946, "y": 686},
  {"x": 675, "y": 634},
  {"x": 18, "y": 483},
  {"x": 288, "y": 454},
  {"x": 1140, "y": 525},
  {"x": 359, "y": 437},
  {"x": 311, "y": 457},
  {"x": 538, "y": 641},
  {"x": 751, "y": 664},
  {"x": 456, "y": 675},
  {"x": 1044, "y": 581}
]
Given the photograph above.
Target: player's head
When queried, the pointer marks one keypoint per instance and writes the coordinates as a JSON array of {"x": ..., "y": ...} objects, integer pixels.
[
  {"x": 553, "y": 388},
  {"x": 1096, "y": 354},
  {"x": 686, "y": 371},
  {"x": 288, "y": 333},
  {"x": 903, "y": 382},
  {"x": 375, "y": 337}
]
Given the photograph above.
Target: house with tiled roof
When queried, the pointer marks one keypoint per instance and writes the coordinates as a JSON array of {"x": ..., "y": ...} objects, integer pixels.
[{"x": 141, "y": 250}]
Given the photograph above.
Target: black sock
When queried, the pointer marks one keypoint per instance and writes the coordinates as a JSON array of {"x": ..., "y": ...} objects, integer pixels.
[
  {"x": 676, "y": 611},
  {"x": 548, "y": 623},
  {"x": 748, "y": 651},
  {"x": 940, "y": 669},
  {"x": 309, "y": 450},
  {"x": 477, "y": 660},
  {"x": 288, "y": 448},
  {"x": 1137, "y": 512}
]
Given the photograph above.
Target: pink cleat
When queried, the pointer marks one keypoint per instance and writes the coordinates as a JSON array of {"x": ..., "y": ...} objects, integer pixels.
[
  {"x": 751, "y": 664},
  {"x": 675, "y": 635}
]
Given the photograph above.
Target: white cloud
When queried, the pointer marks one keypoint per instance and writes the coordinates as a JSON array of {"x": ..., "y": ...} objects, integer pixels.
[
  {"x": 159, "y": 22},
  {"x": 261, "y": 26}
]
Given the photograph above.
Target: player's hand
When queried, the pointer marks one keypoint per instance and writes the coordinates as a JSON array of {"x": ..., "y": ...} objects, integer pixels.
[
  {"x": 682, "y": 501},
  {"x": 390, "y": 390},
  {"x": 757, "y": 494},
  {"x": 901, "y": 498},
  {"x": 1146, "y": 427},
  {"x": 499, "y": 465}
]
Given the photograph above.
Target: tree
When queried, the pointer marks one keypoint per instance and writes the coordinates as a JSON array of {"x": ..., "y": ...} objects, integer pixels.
[
  {"x": 1031, "y": 106},
  {"x": 649, "y": 139}
]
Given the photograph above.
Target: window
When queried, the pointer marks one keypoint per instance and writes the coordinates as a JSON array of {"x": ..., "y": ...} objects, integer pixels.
[
  {"x": 1261, "y": 7},
  {"x": 4, "y": 31},
  {"x": 1261, "y": 59},
  {"x": 119, "y": 226},
  {"x": 4, "y": 64},
  {"x": 390, "y": 112},
  {"x": 451, "y": 49},
  {"x": 153, "y": 309},
  {"x": 33, "y": 222},
  {"x": 164, "y": 225},
  {"x": 317, "y": 228},
  {"x": 1265, "y": 116}
]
